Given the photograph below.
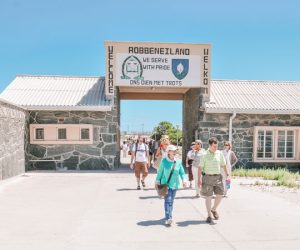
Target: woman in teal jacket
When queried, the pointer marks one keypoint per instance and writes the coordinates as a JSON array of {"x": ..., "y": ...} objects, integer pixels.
[{"x": 162, "y": 177}]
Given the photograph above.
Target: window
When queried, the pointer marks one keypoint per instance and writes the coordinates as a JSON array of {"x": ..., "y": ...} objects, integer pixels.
[
  {"x": 265, "y": 144},
  {"x": 84, "y": 133},
  {"x": 39, "y": 134},
  {"x": 55, "y": 134},
  {"x": 62, "y": 134},
  {"x": 285, "y": 144},
  {"x": 276, "y": 144}
]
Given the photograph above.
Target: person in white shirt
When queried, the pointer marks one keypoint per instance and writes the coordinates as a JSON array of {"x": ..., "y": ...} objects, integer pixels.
[
  {"x": 140, "y": 156},
  {"x": 197, "y": 154},
  {"x": 124, "y": 147}
]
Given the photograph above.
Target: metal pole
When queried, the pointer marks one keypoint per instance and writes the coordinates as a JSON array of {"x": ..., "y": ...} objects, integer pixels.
[{"x": 177, "y": 134}]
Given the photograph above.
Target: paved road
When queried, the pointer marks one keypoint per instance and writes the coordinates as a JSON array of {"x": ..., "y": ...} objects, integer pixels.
[{"x": 70, "y": 211}]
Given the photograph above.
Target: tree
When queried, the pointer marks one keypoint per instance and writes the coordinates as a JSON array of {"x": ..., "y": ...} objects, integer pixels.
[{"x": 167, "y": 128}]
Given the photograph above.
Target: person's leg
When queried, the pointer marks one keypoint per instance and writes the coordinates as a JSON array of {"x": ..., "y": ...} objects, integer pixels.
[
  {"x": 195, "y": 175},
  {"x": 173, "y": 194},
  {"x": 138, "y": 173},
  {"x": 190, "y": 172},
  {"x": 168, "y": 199},
  {"x": 208, "y": 205},
  {"x": 144, "y": 169},
  {"x": 219, "y": 191},
  {"x": 217, "y": 202}
]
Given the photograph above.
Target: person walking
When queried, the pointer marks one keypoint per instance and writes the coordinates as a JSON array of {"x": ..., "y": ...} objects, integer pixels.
[
  {"x": 140, "y": 156},
  {"x": 124, "y": 147},
  {"x": 210, "y": 178},
  {"x": 197, "y": 154},
  {"x": 188, "y": 163},
  {"x": 231, "y": 160},
  {"x": 161, "y": 152},
  {"x": 170, "y": 169}
]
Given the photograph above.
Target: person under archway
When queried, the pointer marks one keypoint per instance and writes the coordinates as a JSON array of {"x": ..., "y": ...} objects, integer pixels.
[{"x": 141, "y": 159}]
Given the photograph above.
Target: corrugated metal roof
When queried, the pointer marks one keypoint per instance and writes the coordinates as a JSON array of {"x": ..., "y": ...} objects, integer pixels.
[
  {"x": 58, "y": 93},
  {"x": 245, "y": 96}
]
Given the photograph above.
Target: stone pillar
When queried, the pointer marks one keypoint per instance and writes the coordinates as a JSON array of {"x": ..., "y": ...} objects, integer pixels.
[{"x": 192, "y": 103}]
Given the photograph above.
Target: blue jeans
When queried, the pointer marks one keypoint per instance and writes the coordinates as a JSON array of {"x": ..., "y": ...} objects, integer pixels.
[{"x": 169, "y": 200}]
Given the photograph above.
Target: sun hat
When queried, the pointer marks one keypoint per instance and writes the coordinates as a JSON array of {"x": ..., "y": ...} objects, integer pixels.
[{"x": 171, "y": 148}]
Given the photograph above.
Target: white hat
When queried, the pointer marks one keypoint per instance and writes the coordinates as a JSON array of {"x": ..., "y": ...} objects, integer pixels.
[{"x": 171, "y": 148}]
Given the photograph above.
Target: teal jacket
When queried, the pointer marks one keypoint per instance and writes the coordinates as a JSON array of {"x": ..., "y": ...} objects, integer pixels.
[{"x": 165, "y": 170}]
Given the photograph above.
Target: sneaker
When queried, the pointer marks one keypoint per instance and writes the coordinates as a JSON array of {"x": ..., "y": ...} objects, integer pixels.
[
  {"x": 197, "y": 195},
  {"x": 209, "y": 220},
  {"x": 138, "y": 187},
  {"x": 143, "y": 184},
  {"x": 168, "y": 222}
]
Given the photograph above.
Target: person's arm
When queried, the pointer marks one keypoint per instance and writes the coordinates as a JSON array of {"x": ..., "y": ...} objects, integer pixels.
[
  {"x": 182, "y": 175},
  {"x": 132, "y": 156},
  {"x": 234, "y": 159},
  {"x": 186, "y": 160},
  {"x": 224, "y": 165},
  {"x": 159, "y": 174},
  {"x": 200, "y": 170},
  {"x": 200, "y": 177},
  {"x": 157, "y": 152}
]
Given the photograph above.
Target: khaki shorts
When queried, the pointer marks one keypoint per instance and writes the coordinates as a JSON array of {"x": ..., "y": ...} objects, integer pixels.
[
  {"x": 212, "y": 184},
  {"x": 141, "y": 167}
]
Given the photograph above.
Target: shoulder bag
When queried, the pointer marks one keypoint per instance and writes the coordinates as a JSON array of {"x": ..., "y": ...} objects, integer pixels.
[{"x": 162, "y": 189}]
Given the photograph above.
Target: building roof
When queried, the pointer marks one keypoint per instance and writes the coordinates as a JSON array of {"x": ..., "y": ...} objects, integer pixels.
[
  {"x": 58, "y": 93},
  {"x": 256, "y": 97},
  {"x": 88, "y": 93}
]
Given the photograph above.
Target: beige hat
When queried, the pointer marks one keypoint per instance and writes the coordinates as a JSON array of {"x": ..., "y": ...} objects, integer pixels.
[{"x": 171, "y": 148}]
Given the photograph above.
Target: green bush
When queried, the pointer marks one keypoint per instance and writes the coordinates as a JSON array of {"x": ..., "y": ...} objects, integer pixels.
[{"x": 281, "y": 175}]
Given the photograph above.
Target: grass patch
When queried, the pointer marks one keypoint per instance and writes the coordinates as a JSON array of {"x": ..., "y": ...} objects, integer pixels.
[{"x": 281, "y": 175}]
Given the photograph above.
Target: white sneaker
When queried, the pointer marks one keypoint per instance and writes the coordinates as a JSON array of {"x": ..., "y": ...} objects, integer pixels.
[{"x": 169, "y": 222}]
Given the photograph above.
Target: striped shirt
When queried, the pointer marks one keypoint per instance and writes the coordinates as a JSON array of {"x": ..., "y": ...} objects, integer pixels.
[{"x": 211, "y": 162}]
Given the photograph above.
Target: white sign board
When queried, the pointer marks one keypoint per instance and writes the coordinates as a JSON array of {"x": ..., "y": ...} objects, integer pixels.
[{"x": 157, "y": 65}]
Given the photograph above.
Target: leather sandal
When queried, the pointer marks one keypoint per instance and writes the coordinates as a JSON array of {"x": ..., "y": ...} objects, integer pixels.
[{"x": 215, "y": 214}]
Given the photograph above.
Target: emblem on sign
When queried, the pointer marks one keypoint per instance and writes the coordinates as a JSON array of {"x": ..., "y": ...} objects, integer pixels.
[
  {"x": 180, "y": 68},
  {"x": 132, "y": 68}
]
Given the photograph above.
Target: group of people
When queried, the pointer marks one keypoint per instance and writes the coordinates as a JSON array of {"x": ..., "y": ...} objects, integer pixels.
[
  {"x": 210, "y": 170},
  {"x": 193, "y": 159}
]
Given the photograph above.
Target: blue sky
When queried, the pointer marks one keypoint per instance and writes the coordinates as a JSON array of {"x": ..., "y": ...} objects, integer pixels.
[{"x": 251, "y": 39}]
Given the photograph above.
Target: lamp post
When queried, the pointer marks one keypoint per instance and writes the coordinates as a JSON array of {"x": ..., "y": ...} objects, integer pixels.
[{"x": 177, "y": 126}]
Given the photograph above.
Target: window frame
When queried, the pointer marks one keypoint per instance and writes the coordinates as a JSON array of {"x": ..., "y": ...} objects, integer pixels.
[
  {"x": 57, "y": 134},
  {"x": 285, "y": 144},
  {"x": 275, "y": 130},
  {"x": 35, "y": 129},
  {"x": 89, "y": 130}
]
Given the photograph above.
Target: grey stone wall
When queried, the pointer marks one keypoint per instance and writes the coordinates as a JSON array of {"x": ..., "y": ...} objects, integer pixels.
[
  {"x": 12, "y": 127},
  {"x": 191, "y": 114},
  {"x": 243, "y": 128},
  {"x": 102, "y": 154}
]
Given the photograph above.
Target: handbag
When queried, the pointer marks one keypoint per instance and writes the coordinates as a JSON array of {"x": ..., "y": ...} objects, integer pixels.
[{"x": 162, "y": 189}]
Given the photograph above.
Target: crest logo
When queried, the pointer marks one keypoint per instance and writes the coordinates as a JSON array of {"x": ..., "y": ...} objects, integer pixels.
[
  {"x": 132, "y": 68},
  {"x": 180, "y": 68}
]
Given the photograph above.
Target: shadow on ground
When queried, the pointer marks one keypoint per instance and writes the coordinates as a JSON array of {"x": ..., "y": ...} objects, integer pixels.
[
  {"x": 148, "y": 223},
  {"x": 190, "y": 223}
]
